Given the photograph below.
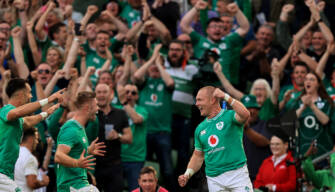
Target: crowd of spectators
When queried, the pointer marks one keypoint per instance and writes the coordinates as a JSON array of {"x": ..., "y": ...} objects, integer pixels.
[{"x": 145, "y": 60}]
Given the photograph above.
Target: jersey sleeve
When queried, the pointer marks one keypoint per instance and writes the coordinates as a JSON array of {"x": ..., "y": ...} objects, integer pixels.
[
  {"x": 197, "y": 144},
  {"x": 332, "y": 162},
  {"x": 52, "y": 122},
  {"x": 4, "y": 112},
  {"x": 124, "y": 120},
  {"x": 195, "y": 37},
  {"x": 92, "y": 130},
  {"x": 328, "y": 109},
  {"x": 311, "y": 174},
  {"x": 67, "y": 136},
  {"x": 30, "y": 168},
  {"x": 115, "y": 44},
  {"x": 143, "y": 113},
  {"x": 234, "y": 39},
  {"x": 282, "y": 93}
]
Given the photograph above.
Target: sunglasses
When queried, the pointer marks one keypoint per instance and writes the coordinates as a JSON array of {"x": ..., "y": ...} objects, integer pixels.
[
  {"x": 132, "y": 92},
  {"x": 46, "y": 71}
]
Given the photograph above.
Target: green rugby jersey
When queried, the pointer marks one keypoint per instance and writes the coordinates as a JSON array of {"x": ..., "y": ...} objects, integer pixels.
[{"x": 220, "y": 138}]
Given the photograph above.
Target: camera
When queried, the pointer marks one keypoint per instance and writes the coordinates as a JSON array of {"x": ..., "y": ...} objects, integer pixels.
[{"x": 206, "y": 75}]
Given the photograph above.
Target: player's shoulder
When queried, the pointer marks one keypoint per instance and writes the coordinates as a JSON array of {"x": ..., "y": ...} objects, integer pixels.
[
  {"x": 6, "y": 108},
  {"x": 69, "y": 126},
  {"x": 69, "y": 123},
  {"x": 202, "y": 126},
  {"x": 226, "y": 115}
]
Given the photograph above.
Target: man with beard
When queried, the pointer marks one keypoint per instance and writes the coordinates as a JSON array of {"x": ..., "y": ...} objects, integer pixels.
[
  {"x": 182, "y": 100},
  {"x": 26, "y": 167},
  {"x": 13, "y": 119},
  {"x": 289, "y": 93},
  {"x": 216, "y": 30},
  {"x": 73, "y": 149},
  {"x": 113, "y": 130}
]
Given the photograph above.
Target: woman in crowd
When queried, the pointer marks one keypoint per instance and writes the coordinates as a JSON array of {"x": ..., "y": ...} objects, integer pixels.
[
  {"x": 313, "y": 109},
  {"x": 265, "y": 97},
  {"x": 274, "y": 173}
]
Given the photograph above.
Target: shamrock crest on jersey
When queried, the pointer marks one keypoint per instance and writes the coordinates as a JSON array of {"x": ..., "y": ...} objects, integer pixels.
[
  {"x": 160, "y": 87},
  {"x": 220, "y": 125},
  {"x": 213, "y": 140}
]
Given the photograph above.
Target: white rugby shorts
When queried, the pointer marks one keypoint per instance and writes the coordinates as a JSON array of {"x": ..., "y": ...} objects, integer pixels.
[
  {"x": 231, "y": 181},
  {"x": 89, "y": 188},
  {"x": 7, "y": 184}
]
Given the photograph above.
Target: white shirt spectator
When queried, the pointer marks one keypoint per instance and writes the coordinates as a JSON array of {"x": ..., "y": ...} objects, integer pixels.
[{"x": 26, "y": 164}]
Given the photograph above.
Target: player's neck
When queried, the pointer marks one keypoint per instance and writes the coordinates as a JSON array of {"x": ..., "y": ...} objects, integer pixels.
[
  {"x": 81, "y": 118},
  {"x": 214, "y": 112}
]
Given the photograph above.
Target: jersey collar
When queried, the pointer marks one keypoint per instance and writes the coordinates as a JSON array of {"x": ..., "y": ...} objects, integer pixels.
[{"x": 216, "y": 117}]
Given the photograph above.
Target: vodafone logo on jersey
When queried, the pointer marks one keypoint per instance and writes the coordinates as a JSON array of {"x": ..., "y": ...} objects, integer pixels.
[
  {"x": 213, "y": 140},
  {"x": 154, "y": 97}
]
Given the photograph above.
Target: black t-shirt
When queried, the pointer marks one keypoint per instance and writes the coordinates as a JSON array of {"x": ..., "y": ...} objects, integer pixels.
[
  {"x": 329, "y": 65},
  {"x": 168, "y": 14},
  {"x": 116, "y": 119}
]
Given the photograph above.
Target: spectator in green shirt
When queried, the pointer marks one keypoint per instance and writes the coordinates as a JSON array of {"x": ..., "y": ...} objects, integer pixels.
[
  {"x": 156, "y": 98},
  {"x": 323, "y": 178},
  {"x": 216, "y": 30}
]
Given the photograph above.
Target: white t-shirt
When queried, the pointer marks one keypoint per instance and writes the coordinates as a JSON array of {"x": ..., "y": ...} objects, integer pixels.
[
  {"x": 25, "y": 165},
  {"x": 40, "y": 178}
]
